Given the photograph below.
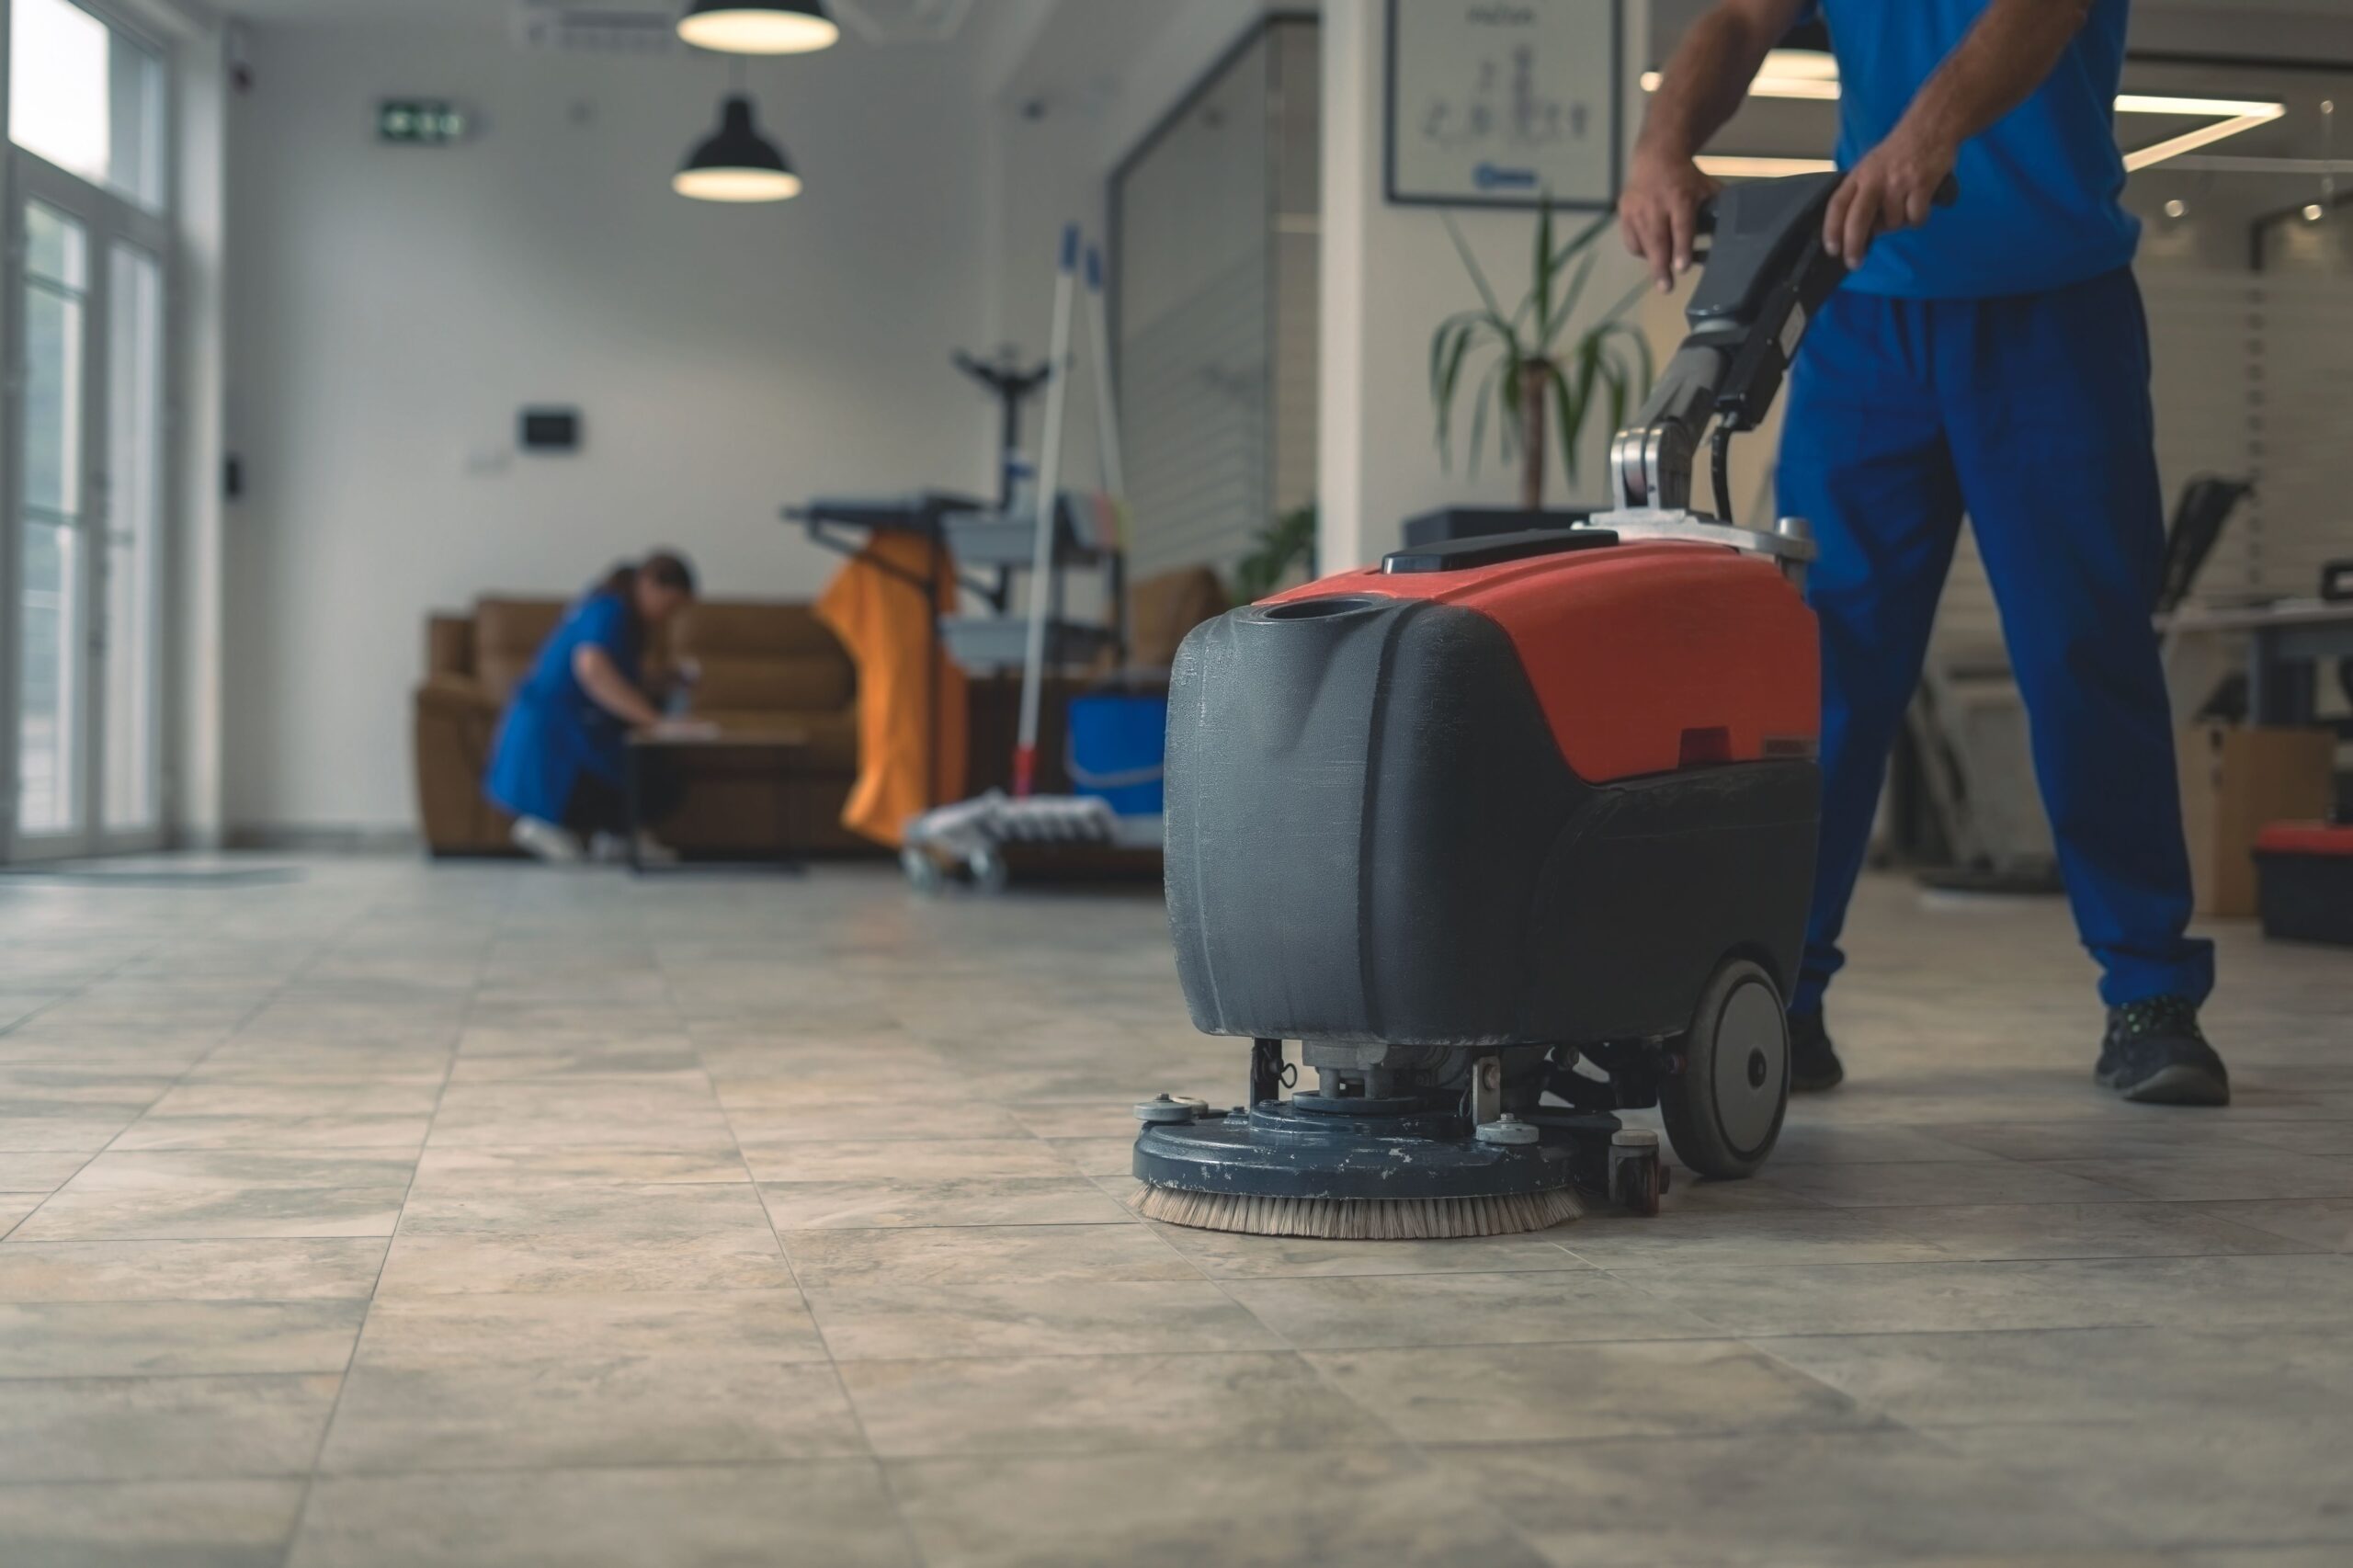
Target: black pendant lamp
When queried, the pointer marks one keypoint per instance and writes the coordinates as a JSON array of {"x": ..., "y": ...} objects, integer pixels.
[
  {"x": 735, "y": 162},
  {"x": 758, "y": 27}
]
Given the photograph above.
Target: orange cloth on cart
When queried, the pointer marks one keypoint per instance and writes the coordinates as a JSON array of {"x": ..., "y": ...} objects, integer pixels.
[{"x": 875, "y": 606}]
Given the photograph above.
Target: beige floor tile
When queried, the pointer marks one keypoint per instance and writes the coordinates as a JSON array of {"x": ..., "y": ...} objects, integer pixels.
[
  {"x": 91, "y": 1339},
  {"x": 2166, "y": 1375},
  {"x": 1804, "y": 1142},
  {"x": 971, "y": 1200},
  {"x": 903, "y": 1161},
  {"x": 2161, "y": 1137},
  {"x": 2188, "y": 1292},
  {"x": 1779, "y": 1235},
  {"x": 161, "y": 1428},
  {"x": 763, "y": 1117},
  {"x": 149, "y": 1214},
  {"x": 549, "y": 1327},
  {"x": 2325, "y": 1222},
  {"x": 969, "y": 1255},
  {"x": 2249, "y": 1174},
  {"x": 738, "y": 1259},
  {"x": 1069, "y": 1318},
  {"x": 2219, "y": 1480},
  {"x": 834, "y": 1514},
  {"x": 280, "y": 1269},
  {"x": 1977, "y": 1181},
  {"x": 1098, "y": 1404},
  {"x": 676, "y": 1409},
  {"x": 158, "y": 1524},
  {"x": 1367, "y": 1311},
  {"x": 36, "y": 1170},
  {"x": 1479, "y": 1393},
  {"x": 442, "y": 1170},
  {"x": 652, "y": 1209},
  {"x": 1239, "y": 1510},
  {"x": 1858, "y": 1499},
  {"x": 2081, "y": 1229},
  {"x": 1221, "y": 1255},
  {"x": 575, "y": 1113}
]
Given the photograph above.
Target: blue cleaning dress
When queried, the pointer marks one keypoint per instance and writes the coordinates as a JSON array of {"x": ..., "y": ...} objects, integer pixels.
[{"x": 553, "y": 731}]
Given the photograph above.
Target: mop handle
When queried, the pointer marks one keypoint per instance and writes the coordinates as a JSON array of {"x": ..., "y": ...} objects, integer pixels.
[
  {"x": 1107, "y": 418},
  {"x": 1041, "y": 551}
]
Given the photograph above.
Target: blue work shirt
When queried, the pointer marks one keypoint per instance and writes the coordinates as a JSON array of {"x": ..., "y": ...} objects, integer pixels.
[
  {"x": 2038, "y": 204},
  {"x": 553, "y": 731}
]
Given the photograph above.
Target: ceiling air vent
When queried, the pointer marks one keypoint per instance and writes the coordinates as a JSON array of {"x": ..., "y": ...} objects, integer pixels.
[
  {"x": 902, "y": 21},
  {"x": 598, "y": 27}
]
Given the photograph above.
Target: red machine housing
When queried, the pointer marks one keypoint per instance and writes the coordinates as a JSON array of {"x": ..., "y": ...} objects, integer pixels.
[
  {"x": 1520, "y": 791},
  {"x": 1711, "y": 653}
]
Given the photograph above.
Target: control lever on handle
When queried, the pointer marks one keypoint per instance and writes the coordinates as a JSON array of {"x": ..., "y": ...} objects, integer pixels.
[{"x": 1767, "y": 273}]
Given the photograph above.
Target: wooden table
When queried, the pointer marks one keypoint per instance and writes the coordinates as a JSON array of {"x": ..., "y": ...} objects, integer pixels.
[{"x": 679, "y": 744}]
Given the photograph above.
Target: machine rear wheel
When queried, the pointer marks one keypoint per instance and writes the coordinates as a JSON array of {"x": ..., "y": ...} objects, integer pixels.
[{"x": 1723, "y": 1109}]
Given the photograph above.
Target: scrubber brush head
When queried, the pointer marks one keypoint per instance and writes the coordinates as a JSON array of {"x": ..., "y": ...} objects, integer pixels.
[
  {"x": 1358, "y": 1219},
  {"x": 1349, "y": 1170}
]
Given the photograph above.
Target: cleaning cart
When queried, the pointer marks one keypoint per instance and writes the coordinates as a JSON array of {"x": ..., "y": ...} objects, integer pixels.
[{"x": 969, "y": 839}]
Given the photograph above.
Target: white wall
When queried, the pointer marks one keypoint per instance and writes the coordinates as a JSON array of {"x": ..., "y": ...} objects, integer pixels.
[
  {"x": 395, "y": 306},
  {"x": 1391, "y": 273}
]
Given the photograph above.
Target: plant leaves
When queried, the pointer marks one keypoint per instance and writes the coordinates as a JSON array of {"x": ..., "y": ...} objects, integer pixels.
[
  {"x": 1478, "y": 417},
  {"x": 1568, "y": 303},
  {"x": 1547, "y": 267},
  {"x": 1471, "y": 264}
]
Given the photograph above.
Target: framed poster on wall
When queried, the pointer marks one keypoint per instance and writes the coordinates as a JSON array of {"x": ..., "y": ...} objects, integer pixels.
[{"x": 1494, "y": 103}]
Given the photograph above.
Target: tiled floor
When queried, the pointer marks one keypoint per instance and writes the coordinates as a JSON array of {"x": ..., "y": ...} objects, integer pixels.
[{"x": 407, "y": 1215}]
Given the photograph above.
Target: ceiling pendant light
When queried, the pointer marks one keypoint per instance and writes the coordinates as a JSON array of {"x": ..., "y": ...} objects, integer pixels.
[
  {"x": 735, "y": 162},
  {"x": 758, "y": 27}
]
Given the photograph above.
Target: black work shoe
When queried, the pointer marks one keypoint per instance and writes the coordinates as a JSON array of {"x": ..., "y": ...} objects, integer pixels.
[
  {"x": 1814, "y": 1065},
  {"x": 2154, "y": 1054}
]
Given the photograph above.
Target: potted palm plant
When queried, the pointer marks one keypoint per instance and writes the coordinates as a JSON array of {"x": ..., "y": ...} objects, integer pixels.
[{"x": 1540, "y": 377}]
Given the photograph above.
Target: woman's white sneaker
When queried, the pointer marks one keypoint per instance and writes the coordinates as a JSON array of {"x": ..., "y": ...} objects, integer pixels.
[{"x": 544, "y": 840}]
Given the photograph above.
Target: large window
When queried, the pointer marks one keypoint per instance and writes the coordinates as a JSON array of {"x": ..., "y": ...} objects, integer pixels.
[{"x": 88, "y": 97}]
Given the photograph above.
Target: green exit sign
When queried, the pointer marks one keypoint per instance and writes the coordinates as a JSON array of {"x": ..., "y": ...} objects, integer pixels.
[{"x": 431, "y": 122}]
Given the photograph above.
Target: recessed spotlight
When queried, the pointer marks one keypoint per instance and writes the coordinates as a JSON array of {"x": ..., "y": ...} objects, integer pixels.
[
  {"x": 2177, "y": 208},
  {"x": 2313, "y": 213}
]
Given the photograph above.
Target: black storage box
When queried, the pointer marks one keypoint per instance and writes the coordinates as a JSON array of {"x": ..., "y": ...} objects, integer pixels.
[
  {"x": 1448, "y": 523},
  {"x": 2305, "y": 870}
]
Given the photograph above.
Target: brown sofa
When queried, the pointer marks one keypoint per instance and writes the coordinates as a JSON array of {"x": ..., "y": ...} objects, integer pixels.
[{"x": 765, "y": 666}]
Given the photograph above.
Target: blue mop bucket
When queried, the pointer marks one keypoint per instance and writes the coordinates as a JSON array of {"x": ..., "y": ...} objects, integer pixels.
[{"x": 1117, "y": 745}]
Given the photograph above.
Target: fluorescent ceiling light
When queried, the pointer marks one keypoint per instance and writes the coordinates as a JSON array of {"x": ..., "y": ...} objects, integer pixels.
[
  {"x": 1809, "y": 73},
  {"x": 1732, "y": 167},
  {"x": 2240, "y": 117}
]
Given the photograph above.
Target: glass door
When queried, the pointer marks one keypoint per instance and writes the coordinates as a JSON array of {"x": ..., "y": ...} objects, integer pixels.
[
  {"x": 84, "y": 551},
  {"x": 83, "y": 516},
  {"x": 129, "y": 771},
  {"x": 53, "y": 506}
]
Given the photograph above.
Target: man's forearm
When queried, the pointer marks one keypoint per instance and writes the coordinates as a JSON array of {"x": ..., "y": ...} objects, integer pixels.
[
  {"x": 1704, "y": 81},
  {"x": 2006, "y": 56}
]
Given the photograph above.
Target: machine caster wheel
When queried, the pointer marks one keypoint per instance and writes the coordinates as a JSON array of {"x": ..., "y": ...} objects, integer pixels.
[
  {"x": 1723, "y": 1109},
  {"x": 1637, "y": 1175},
  {"x": 923, "y": 872},
  {"x": 989, "y": 871}
]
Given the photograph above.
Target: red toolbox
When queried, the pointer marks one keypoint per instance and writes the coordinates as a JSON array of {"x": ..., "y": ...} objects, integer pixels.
[{"x": 2305, "y": 870}]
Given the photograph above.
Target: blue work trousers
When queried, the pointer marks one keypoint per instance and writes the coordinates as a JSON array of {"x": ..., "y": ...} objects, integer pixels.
[{"x": 2030, "y": 415}]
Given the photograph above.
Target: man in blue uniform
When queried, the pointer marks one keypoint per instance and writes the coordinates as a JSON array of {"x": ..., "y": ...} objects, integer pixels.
[{"x": 1988, "y": 359}]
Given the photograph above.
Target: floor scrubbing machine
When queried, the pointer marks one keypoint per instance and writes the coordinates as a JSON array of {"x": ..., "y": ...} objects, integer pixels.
[{"x": 1512, "y": 833}]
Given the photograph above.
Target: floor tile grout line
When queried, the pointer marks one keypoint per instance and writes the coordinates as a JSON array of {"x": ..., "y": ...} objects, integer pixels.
[
  {"x": 343, "y": 1379},
  {"x": 832, "y": 1363}
]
